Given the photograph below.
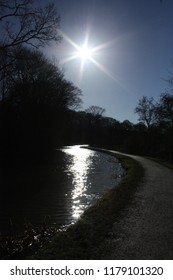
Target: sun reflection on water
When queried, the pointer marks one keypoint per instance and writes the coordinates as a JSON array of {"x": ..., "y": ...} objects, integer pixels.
[
  {"x": 82, "y": 161},
  {"x": 90, "y": 175}
]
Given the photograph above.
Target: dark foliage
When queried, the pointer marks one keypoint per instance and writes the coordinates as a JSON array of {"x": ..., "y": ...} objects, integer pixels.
[{"x": 37, "y": 104}]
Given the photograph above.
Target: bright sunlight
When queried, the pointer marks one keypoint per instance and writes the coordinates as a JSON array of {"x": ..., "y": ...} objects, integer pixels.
[{"x": 84, "y": 52}]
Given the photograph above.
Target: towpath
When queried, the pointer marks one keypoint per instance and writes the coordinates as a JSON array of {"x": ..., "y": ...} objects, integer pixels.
[{"x": 146, "y": 228}]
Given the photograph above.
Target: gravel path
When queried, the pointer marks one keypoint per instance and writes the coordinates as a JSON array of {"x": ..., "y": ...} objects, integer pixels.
[{"x": 146, "y": 228}]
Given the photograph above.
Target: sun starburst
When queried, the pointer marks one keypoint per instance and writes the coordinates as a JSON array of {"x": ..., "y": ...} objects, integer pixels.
[{"x": 85, "y": 53}]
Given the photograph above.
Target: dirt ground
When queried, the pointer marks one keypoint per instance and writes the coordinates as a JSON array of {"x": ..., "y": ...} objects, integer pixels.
[{"x": 146, "y": 228}]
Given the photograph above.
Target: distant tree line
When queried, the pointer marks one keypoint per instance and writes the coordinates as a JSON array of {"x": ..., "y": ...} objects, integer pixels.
[
  {"x": 152, "y": 136},
  {"x": 158, "y": 119}
]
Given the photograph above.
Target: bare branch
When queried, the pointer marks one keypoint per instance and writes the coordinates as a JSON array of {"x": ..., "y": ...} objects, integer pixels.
[
  {"x": 26, "y": 23},
  {"x": 23, "y": 22}
]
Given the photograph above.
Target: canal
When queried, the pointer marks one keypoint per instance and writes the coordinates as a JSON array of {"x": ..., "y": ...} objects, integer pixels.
[{"x": 58, "y": 193}]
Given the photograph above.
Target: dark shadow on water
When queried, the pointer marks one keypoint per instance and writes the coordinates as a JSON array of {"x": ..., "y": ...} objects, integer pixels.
[{"x": 28, "y": 185}]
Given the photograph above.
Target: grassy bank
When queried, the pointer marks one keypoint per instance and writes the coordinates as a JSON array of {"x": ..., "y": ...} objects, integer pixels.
[{"x": 84, "y": 239}]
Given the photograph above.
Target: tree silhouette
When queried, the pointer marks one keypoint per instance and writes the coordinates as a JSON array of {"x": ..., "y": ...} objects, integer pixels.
[
  {"x": 95, "y": 111},
  {"x": 24, "y": 22},
  {"x": 146, "y": 110},
  {"x": 164, "y": 110},
  {"x": 38, "y": 98}
]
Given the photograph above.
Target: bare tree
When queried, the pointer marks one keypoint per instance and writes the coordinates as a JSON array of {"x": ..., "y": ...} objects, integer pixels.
[
  {"x": 23, "y": 21},
  {"x": 146, "y": 110},
  {"x": 164, "y": 110},
  {"x": 96, "y": 111}
]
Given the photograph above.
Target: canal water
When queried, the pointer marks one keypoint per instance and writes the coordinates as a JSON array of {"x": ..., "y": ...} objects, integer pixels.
[{"x": 57, "y": 193}]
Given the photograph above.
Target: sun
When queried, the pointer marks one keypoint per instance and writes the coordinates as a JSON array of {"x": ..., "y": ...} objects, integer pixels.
[{"x": 84, "y": 52}]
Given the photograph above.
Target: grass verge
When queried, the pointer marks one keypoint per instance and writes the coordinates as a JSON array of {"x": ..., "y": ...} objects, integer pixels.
[{"x": 82, "y": 240}]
